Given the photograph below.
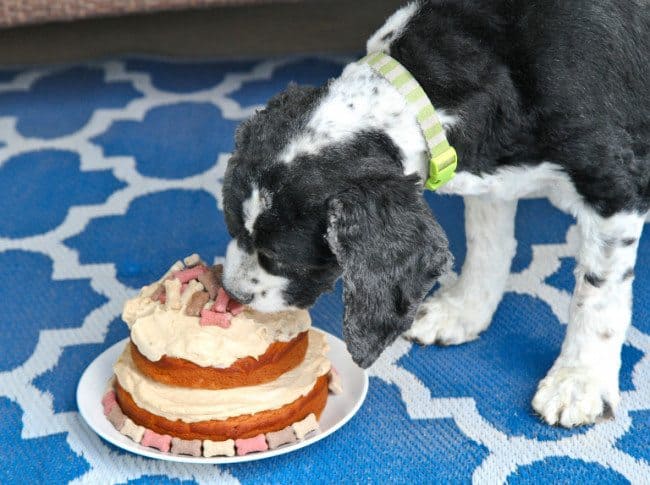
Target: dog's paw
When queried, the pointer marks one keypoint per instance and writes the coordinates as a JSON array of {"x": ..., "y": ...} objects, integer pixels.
[
  {"x": 441, "y": 321},
  {"x": 573, "y": 396}
]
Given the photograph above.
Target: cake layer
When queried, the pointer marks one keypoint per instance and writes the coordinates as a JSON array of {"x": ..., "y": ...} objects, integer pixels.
[
  {"x": 238, "y": 427},
  {"x": 194, "y": 405},
  {"x": 158, "y": 331},
  {"x": 279, "y": 358}
]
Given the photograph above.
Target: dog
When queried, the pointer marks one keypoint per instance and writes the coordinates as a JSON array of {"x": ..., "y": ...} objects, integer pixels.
[{"x": 538, "y": 98}]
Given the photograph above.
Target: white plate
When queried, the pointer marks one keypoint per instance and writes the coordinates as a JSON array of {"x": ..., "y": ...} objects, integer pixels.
[{"x": 338, "y": 411}]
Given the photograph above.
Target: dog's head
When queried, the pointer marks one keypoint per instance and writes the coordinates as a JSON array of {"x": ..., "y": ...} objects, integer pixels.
[{"x": 341, "y": 209}]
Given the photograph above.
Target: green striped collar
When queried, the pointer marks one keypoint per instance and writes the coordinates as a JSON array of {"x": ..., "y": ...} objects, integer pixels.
[{"x": 442, "y": 166}]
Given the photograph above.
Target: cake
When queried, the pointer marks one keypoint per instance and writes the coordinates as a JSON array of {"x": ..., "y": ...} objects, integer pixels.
[{"x": 204, "y": 375}]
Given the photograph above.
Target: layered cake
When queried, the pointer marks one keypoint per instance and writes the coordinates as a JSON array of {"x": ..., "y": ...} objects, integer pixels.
[{"x": 204, "y": 375}]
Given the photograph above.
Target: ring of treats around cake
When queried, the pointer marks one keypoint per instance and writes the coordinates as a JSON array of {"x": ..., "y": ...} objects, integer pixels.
[{"x": 225, "y": 361}]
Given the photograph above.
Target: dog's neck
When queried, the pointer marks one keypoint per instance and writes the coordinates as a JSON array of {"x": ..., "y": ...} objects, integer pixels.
[{"x": 360, "y": 100}]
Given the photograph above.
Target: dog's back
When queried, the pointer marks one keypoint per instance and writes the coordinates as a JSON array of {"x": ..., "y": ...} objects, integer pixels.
[
  {"x": 584, "y": 58},
  {"x": 561, "y": 81}
]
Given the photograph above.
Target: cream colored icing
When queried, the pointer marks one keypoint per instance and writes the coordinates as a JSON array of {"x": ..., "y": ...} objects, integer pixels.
[
  {"x": 164, "y": 329},
  {"x": 192, "y": 405},
  {"x": 158, "y": 331}
]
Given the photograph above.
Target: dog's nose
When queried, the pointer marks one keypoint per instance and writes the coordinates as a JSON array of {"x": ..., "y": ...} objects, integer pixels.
[{"x": 241, "y": 297}]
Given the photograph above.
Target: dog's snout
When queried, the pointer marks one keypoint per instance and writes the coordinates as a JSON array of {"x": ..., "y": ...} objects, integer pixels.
[{"x": 240, "y": 296}]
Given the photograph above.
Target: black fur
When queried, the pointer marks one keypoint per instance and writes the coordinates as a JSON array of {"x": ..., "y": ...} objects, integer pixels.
[
  {"x": 629, "y": 273},
  {"x": 357, "y": 192},
  {"x": 564, "y": 82},
  {"x": 377, "y": 230},
  {"x": 594, "y": 280}
]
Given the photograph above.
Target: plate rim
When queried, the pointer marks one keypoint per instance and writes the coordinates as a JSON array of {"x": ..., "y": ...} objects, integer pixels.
[{"x": 220, "y": 460}]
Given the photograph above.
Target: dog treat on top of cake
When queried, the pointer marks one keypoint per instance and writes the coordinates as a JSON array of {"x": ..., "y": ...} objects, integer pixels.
[{"x": 204, "y": 374}]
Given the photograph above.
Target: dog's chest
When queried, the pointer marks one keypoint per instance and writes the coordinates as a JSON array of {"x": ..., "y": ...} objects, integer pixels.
[{"x": 511, "y": 183}]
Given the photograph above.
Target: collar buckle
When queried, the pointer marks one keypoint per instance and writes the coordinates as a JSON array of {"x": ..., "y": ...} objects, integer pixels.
[{"x": 442, "y": 168}]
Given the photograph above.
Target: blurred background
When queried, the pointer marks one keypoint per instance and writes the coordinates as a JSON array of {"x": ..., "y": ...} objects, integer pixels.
[{"x": 36, "y": 31}]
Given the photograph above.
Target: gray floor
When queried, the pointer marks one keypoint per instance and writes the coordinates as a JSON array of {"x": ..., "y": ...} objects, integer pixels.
[{"x": 314, "y": 26}]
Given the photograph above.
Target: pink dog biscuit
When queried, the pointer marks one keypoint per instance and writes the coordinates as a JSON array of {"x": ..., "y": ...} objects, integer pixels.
[
  {"x": 249, "y": 445},
  {"x": 209, "y": 318},
  {"x": 132, "y": 430},
  {"x": 275, "y": 439},
  {"x": 235, "y": 307},
  {"x": 177, "y": 266},
  {"x": 221, "y": 303},
  {"x": 188, "y": 274},
  {"x": 306, "y": 426},
  {"x": 218, "y": 448},
  {"x": 109, "y": 401},
  {"x": 186, "y": 447},
  {"x": 211, "y": 279},
  {"x": 116, "y": 418},
  {"x": 155, "y": 440}
]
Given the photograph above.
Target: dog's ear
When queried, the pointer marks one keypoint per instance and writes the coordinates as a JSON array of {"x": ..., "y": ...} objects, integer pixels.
[{"x": 391, "y": 251}]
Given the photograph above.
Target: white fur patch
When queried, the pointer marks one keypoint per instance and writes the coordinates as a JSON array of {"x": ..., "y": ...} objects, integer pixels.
[
  {"x": 361, "y": 100},
  {"x": 512, "y": 183},
  {"x": 452, "y": 315},
  {"x": 253, "y": 207},
  {"x": 243, "y": 275},
  {"x": 584, "y": 379},
  {"x": 392, "y": 29},
  {"x": 582, "y": 385}
]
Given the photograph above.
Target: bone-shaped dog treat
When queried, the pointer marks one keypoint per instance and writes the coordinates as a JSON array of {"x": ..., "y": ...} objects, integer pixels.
[
  {"x": 334, "y": 382},
  {"x": 196, "y": 303},
  {"x": 173, "y": 294},
  {"x": 218, "y": 448},
  {"x": 186, "y": 447},
  {"x": 132, "y": 430},
  {"x": 109, "y": 401},
  {"x": 209, "y": 318},
  {"x": 249, "y": 445},
  {"x": 211, "y": 279},
  {"x": 276, "y": 439},
  {"x": 306, "y": 426},
  {"x": 192, "y": 260},
  {"x": 221, "y": 303},
  {"x": 190, "y": 288},
  {"x": 149, "y": 290},
  {"x": 158, "y": 293},
  {"x": 155, "y": 440},
  {"x": 235, "y": 307},
  {"x": 188, "y": 274},
  {"x": 116, "y": 417},
  {"x": 177, "y": 266}
]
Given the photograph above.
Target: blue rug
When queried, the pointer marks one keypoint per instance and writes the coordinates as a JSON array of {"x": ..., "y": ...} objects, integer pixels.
[{"x": 111, "y": 171}]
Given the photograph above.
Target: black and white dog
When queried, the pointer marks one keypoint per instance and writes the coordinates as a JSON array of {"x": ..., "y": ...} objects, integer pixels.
[{"x": 546, "y": 97}]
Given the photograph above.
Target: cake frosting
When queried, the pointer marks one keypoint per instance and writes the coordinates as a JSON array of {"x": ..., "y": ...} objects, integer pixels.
[
  {"x": 158, "y": 330},
  {"x": 193, "y": 405},
  {"x": 205, "y": 375}
]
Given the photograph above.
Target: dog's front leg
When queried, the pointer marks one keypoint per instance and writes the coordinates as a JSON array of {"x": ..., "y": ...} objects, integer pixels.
[
  {"x": 460, "y": 311},
  {"x": 582, "y": 385}
]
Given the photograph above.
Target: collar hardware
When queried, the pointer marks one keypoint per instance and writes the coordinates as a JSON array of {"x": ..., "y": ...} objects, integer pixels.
[
  {"x": 444, "y": 160},
  {"x": 442, "y": 168}
]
